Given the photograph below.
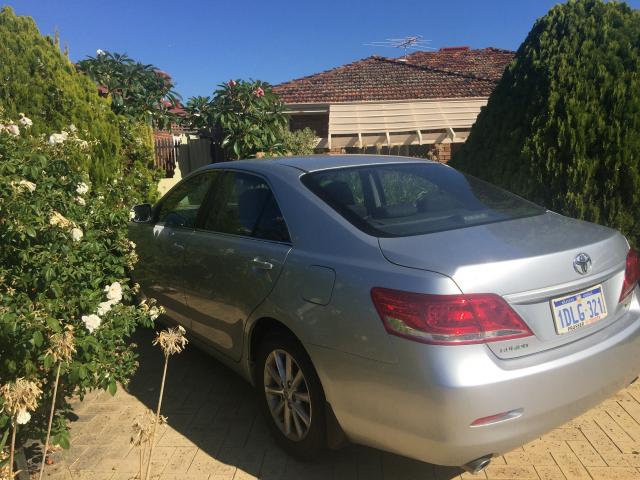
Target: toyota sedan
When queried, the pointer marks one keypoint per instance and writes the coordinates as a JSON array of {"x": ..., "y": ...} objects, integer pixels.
[{"x": 394, "y": 302}]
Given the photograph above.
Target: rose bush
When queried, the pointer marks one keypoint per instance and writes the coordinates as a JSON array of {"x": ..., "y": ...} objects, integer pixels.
[{"x": 65, "y": 262}]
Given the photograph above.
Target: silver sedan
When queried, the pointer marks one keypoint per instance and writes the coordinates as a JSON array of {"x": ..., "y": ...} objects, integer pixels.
[{"x": 394, "y": 302}]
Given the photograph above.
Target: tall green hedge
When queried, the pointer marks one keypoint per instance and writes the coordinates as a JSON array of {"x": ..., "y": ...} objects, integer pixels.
[
  {"x": 38, "y": 80},
  {"x": 562, "y": 127}
]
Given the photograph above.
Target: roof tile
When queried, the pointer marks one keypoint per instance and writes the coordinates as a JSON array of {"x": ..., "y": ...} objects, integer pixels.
[{"x": 447, "y": 73}]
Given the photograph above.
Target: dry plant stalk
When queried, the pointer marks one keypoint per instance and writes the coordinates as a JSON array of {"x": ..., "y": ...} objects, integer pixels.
[
  {"x": 4, "y": 470},
  {"x": 142, "y": 427},
  {"x": 171, "y": 341},
  {"x": 20, "y": 397},
  {"x": 61, "y": 350}
]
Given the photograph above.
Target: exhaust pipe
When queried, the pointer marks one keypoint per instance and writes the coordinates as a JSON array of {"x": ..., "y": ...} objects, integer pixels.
[{"x": 477, "y": 465}]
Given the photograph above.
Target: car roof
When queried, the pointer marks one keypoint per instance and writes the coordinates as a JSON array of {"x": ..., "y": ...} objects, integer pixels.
[{"x": 312, "y": 163}]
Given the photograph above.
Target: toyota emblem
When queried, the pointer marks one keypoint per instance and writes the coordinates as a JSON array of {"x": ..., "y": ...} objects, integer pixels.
[{"x": 582, "y": 263}]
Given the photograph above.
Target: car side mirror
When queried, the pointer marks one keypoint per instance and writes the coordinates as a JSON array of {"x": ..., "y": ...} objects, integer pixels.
[{"x": 142, "y": 213}]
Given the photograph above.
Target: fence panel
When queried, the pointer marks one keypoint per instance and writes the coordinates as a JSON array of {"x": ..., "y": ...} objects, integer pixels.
[{"x": 166, "y": 155}]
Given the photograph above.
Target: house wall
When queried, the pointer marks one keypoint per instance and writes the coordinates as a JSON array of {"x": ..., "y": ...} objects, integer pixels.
[
  {"x": 421, "y": 128},
  {"x": 319, "y": 123}
]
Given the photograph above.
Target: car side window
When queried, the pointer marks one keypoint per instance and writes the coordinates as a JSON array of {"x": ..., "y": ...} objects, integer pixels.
[
  {"x": 243, "y": 204},
  {"x": 180, "y": 207}
]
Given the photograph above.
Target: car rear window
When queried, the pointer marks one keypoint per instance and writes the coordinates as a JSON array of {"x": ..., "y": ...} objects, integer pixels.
[{"x": 398, "y": 200}]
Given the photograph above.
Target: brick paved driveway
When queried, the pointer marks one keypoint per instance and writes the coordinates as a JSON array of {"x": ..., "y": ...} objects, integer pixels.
[{"x": 215, "y": 432}]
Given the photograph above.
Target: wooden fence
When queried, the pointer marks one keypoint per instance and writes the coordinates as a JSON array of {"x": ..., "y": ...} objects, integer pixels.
[{"x": 189, "y": 155}]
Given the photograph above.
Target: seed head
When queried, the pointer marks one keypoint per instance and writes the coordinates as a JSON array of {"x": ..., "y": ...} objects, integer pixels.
[
  {"x": 62, "y": 345},
  {"x": 21, "y": 395},
  {"x": 171, "y": 340}
]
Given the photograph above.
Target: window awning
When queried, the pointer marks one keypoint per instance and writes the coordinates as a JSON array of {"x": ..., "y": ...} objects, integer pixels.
[{"x": 402, "y": 123}]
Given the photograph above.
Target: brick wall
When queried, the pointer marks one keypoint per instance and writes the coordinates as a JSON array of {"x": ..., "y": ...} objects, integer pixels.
[{"x": 443, "y": 152}]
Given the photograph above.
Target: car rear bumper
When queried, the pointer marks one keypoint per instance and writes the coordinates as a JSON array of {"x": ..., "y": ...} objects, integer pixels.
[{"x": 422, "y": 406}]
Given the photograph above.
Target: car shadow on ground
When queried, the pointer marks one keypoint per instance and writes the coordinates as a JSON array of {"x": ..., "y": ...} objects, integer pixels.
[{"x": 210, "y": 407}]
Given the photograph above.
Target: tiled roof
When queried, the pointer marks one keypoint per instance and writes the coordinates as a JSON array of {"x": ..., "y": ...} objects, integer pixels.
[{"x": 447, "y": 73}]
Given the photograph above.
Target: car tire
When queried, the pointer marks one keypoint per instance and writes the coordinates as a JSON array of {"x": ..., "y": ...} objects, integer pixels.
[{"x": 304, "y": 441}]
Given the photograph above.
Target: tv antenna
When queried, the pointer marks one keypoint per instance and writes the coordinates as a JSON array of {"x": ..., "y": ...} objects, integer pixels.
[{"x": 411, "y": 42}]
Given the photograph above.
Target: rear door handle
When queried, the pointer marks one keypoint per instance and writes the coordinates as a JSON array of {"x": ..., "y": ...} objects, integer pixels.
[{"x": 263, "y": 265}]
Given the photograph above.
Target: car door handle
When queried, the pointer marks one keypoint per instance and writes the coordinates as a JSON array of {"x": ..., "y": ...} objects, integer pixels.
[{"x": 259, "y": 263}]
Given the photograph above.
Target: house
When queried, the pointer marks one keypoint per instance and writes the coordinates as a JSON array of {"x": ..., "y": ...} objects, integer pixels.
[{"x": 422, "y": 104}]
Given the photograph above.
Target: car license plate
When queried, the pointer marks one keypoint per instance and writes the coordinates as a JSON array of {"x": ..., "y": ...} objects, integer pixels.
[{"x": 578, "y": 310}]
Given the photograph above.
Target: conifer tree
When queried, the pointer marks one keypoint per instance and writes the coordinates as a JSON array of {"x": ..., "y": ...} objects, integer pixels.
[
  {"x": 38, "y": 80},
  {"x": 562, "y": 127}
]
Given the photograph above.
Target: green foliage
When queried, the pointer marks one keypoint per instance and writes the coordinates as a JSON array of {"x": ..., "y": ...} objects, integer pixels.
[
  {"x": 139, "y": 91},
  {"x": 139, "y": 158},
  {"x": 39, "y": 81},
  {"x": 199, "y": 112},
  {"x": 246, "y": 115},
  {"x": 562, "y": 128},
  {"x": 300, "y": 142},
  {"x": 63, "y": 242}
]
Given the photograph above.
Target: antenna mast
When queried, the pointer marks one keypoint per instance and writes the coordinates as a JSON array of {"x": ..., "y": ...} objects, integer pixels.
[{"x": 411, "y": 42}]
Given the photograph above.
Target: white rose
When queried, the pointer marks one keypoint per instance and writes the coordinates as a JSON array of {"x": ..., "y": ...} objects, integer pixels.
[
  {"x": 105, "y": 307},
  {"x": 82, "y": 188},
  {"x": 114, "y": 291},
  {"x": 27, "y": 122},
  {"x": 100, "y": 52},
  {"x": 13, "y": 129},
  {"x": 92, "y": 322},
  {"x": 80, "y": 201},
  {"x": 76, "y": 234},
  {"x": 132, "y": 245},
  {"x": 57, "y": 219},
  {"x": 24, "y": 184},
  {"x": 23, "y": 416},
  {"x": 56, "y": 138},
  {"x": 28, "y": 185},
  {"x": 154, "y": 312}
]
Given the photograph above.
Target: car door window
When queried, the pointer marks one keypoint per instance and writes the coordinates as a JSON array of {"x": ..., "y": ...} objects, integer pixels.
[
  {"x": 243, "y": 204},
  {"x": 180, "y": 207}
]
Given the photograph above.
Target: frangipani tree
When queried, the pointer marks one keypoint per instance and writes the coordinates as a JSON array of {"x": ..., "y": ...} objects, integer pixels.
[{"x": 139, "y": 91}]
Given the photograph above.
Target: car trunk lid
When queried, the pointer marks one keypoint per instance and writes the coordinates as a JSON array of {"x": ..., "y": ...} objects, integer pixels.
[{"x": 529, "y": 262}]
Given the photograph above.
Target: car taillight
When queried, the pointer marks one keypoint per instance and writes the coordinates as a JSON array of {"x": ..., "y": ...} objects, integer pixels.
[
  {"x": 631, "y": 274},
  {"x": 448, "y": 319}
]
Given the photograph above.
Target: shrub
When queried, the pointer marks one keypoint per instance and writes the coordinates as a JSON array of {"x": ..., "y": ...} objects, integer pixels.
[
  {"x": 64, "y": 241},
  {"x": 246, "y": 117},
  {"x": 39, "y": 81},
  {"x": 138, "y": 152},
  {"x": 562, "y": 128},
  {"x": 299, "y": 142}
]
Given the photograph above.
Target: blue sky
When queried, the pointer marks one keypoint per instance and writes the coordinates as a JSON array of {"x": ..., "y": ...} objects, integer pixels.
[{"x": 204, "y": 42}]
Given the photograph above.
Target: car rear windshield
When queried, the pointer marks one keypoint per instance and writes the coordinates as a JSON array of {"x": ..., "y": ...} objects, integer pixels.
[{"x": 399, "y": 200}]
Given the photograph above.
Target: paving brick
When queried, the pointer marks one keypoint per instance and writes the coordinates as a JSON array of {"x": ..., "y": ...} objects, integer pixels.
[
  {"x": 570, "y": 465},
  {"x": 181, "y": 460},
  {"x": 501, "y": 472},
  {"x": 615, "y": 432},
  {"x": 587, "y": 454},
  {"x": 216, "y": 432},
  {"x": 614, "y": 473},
  {"x": 549, "y": 472}
]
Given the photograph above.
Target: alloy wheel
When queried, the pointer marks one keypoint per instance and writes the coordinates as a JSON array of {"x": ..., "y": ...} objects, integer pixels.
[{"x": 287, "y": 394}]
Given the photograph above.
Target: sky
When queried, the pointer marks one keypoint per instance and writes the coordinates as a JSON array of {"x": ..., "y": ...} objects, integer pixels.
[{"x": 202, "y": 43}]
